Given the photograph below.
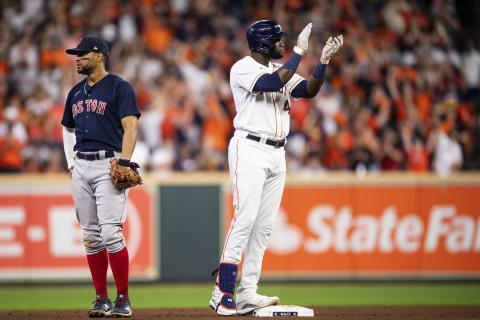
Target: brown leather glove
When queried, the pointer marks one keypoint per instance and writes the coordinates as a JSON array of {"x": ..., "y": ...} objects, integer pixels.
[{"x": 123, "y": 179}]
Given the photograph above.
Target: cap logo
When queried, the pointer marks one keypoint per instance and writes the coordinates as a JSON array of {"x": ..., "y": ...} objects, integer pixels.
[{"x": 95, "y": 48}]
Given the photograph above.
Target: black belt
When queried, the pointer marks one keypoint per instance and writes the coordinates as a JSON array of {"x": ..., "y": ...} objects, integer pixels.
[
  {"x": 270, "y": 142},
  {"x": 94, "y": 156}
]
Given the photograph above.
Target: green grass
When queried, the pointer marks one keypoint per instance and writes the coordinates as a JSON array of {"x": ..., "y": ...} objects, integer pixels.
[{"x": 198, "y": 295}]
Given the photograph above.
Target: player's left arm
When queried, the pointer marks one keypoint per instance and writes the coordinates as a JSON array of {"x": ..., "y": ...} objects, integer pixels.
[
  {"x": 129, "y": 113},
  {"x": 123, "y": 173},
  {"x": 130, "y": 127},
  {"x": 309, "y": 88}
]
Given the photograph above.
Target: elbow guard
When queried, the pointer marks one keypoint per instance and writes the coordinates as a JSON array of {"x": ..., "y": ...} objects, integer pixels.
[
  {"x": 300, "y": 90},
  {"x": 269, "y": 82}
]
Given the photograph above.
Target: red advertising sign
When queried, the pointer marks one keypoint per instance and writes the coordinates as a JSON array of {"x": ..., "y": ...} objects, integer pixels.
[{"x": 40, "y": 237}]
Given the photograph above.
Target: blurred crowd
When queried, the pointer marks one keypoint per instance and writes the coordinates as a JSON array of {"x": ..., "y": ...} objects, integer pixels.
[{"x": 402, "y": 94}]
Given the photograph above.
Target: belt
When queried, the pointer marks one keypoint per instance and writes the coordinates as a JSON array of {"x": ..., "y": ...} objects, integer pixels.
[
  {"x": 94, "y": 156},
  {"x": 270, "y": 142}
]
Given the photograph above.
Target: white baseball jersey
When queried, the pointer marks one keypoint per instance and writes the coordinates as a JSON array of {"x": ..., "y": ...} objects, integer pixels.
[
  {"x": 263, "y": 113},
  {"x": 257, "y": 170}
]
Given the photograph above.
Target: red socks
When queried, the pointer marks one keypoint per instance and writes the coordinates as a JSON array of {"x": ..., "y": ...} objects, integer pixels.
[
  {"x": 119, "y": 265},
  {"x": 98, "y": 264}
]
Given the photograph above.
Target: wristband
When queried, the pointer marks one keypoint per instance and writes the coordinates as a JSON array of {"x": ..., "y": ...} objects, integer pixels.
[
  {"x": 124, "y": 162},
  {"x": 292, "y": 63},
  {"x": 319, "y": 72}
]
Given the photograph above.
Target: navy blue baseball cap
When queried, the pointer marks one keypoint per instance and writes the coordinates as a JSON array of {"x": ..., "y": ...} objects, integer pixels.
[{"x": 90, "y": 44}]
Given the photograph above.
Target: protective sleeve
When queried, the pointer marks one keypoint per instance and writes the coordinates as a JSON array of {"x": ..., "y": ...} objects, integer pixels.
[
  {"x": 292, "y": 63},
  {"x": 69, "y": 141},
  {"x": 271, "y": 82},
  {"x": 319, "y": 72},
  {"x": 296, "y": 79},
  {"x": 268, "y": 82},
  {"x": 300, "y": 90}
]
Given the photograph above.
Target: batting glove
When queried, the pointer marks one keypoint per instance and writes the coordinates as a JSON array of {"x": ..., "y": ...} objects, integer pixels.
[
  {"x": 331, "y": 47},
  {"x": 302, "y": 43}
]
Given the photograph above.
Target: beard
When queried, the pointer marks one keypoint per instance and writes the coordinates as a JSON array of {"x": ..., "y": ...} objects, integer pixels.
[
  {"x": 274, "y": 54},
  {"x": 84, "y": 70}
]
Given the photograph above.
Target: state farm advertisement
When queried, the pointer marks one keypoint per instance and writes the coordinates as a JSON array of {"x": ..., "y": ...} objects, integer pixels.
[
  {"x": 41, "y": 239},
  {"x": 380, "y": 230}
]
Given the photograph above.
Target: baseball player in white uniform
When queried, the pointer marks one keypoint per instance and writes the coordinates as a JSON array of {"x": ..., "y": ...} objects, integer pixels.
[{"x": 262, "y": 91}]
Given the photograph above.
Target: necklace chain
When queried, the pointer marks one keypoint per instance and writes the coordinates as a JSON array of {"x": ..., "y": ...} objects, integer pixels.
[{"x": 85, "y": 84}]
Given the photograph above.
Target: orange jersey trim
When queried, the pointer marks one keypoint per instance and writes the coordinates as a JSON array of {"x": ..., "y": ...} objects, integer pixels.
[
  {"x": 238, "y": 206},
  {"x": 236, "y": 179},
  {"x": 275, "y": 110},
  {"x": 295, "y": 84},
  {"x": 255, "y": 80},
  {"x": 281, "y": 120},
  {"x": 274, "y": 96}
]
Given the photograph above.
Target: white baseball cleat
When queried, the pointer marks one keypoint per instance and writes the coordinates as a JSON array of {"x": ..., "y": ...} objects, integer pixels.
[
  {"x": 223, "y": 304},
  {"x": 255, "y": 302}
]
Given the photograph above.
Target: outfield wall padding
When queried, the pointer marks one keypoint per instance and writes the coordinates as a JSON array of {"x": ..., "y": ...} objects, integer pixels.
[
  {"x": 330, "y": 226},
  {"x": 189, "y": 231}
]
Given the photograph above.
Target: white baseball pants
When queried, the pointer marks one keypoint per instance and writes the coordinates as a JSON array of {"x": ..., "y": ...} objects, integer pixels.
[
  {"x": 257, "y": 175},
  {"x": 100, "y": 208}
]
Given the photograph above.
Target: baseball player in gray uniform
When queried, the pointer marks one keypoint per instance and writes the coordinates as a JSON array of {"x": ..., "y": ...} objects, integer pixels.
[
  {"x": 262, "y": 91},
  {"x": 100, "y": 124}
]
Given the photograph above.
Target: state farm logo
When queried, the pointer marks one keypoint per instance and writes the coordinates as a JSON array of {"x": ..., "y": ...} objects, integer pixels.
[
  {"x": 286, "y": 238},
  {"x": 341, "y": 231}
]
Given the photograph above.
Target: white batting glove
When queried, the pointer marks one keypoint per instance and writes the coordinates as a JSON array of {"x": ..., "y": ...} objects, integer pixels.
[
  {"x": 331, "y": 47},
  {"x": 302, "y": 42}
]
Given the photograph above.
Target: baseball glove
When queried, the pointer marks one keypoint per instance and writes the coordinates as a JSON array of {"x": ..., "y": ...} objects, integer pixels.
[{"x": 123, "y": 179}]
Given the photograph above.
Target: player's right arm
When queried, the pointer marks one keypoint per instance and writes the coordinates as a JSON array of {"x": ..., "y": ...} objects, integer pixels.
[
  {"x": 275, "y": 81},
  {"x": 69, "y": 138},
  {"x": 69, "y": 141}
]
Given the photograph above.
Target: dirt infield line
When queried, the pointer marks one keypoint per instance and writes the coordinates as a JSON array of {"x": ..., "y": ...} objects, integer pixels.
[{"x": 324, "y": 313}]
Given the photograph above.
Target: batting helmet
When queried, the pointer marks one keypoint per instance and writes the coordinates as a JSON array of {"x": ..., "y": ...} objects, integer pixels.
[{"x": 261, "y": 35}]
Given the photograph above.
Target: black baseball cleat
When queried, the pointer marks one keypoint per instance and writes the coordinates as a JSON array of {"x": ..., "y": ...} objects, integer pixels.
[
  {"x": 102, "y": 308},
  {"x": 122, "y": 308}
]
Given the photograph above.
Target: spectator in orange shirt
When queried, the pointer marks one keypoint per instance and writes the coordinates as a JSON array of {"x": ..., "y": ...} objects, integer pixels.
[
  {"x": 156, "y": 35},
  {"x": 392, "y": 157},
  {"x": 10, "y": 152},
  {"x": 417, "y": 156},
  {"x": 415, "y": 149},
  {"x": 216, "y": 126}
]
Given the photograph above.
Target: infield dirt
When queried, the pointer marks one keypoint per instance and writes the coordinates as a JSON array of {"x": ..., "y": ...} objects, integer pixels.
[{"x": 324, "y": 313}]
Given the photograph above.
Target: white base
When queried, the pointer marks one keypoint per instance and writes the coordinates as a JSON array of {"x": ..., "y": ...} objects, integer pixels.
[{"x": 283, "y": 311}]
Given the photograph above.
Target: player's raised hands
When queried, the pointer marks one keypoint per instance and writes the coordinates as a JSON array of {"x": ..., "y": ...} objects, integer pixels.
[
  {"x": 302, "y": 42},
  {"x": 330, "y": 48}
]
